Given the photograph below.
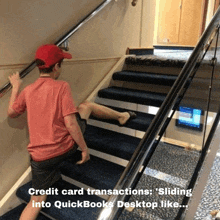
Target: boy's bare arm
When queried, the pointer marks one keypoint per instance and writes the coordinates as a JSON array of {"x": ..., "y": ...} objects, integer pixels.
[
  {"x": 16, "y": 83},
  {"x": 75, "y": 131}
]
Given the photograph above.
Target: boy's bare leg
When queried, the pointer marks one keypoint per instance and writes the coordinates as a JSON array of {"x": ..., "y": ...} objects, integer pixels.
[
  {"x": 89, "y": 108},
  {"x": 30, "y": 212}
]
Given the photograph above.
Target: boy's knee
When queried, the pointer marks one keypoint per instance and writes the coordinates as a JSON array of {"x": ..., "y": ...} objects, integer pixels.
[
  {"x": 85, "y": 105},
  {"x": 85, "y": 109}
]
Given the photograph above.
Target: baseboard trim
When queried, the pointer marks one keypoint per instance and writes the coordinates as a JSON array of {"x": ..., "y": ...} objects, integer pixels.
[{"x": 10, "y": 200}]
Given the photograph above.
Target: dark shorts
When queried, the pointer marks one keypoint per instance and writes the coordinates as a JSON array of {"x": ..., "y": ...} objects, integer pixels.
[{"x": 46, "y": 173}]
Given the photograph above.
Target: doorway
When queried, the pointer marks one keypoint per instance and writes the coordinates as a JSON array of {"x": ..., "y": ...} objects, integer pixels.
[{"x": 181, "y": 22}]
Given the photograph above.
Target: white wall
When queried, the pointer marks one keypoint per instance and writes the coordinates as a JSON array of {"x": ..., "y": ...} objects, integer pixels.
[{"x": 96, "y": 47}]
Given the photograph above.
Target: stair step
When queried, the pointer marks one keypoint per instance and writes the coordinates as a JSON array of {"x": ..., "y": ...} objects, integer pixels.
[
  {"x": 71, "y": 213},
  {"x": 111, "y": 142},
  {"x": 152, "y": 60},
  {"x": 140, "y": 51},
  {"x": 173, "y": 48},
  {"x": 133, "y": 95},
  {"x": 141, "y": 122},
  {"x": 15, "y": 213},
  {"x": 96, "y": 173},
  {"x": 145, "y": 77}
]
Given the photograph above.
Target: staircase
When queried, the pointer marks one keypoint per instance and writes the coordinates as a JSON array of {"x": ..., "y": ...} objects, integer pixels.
[{"x": 141, "y": 83}]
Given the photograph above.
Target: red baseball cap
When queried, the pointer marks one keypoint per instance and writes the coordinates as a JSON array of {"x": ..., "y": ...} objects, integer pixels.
[{"x": 51, "y": 54}]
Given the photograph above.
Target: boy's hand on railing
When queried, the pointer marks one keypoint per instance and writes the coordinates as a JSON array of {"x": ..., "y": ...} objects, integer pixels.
[
  {"x": 15, "y": 80},
  {"x": 85, "y": 156}
]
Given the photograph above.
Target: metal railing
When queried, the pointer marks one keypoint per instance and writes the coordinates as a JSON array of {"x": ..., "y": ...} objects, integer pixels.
[
  {"x": 59, "y": 42},
  {"x": 147, "y": 146}
]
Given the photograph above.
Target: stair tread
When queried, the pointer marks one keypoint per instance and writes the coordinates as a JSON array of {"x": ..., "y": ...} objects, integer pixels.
[
  {"x": 145, "y": 77},
  {"x": 15, "y": 213},
  {"x": 90, "y": 173},
  {"x": 79, "y": 213},
  {"x": 133, "y": 95},
  {"x": 110, "y": 142},
  {"x": 155, "y": 60},
  {"x": 141, "y": 122}
]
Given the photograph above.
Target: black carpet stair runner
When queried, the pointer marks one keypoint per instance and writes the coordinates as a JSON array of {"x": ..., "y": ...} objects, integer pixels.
[
  {"x": 141, "y": 122},
  {"x": 133, "y": 96},
  {"x": 60, "y": 204},
  {"x": 155, "y": 61},
  {"x": 113, "y": 141},
  {"x": 99, "y": 173},
  {"x": 14, "y": 214},
  {"x": 90, "y": 172},
  {"x": 146, "y": 77}
]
